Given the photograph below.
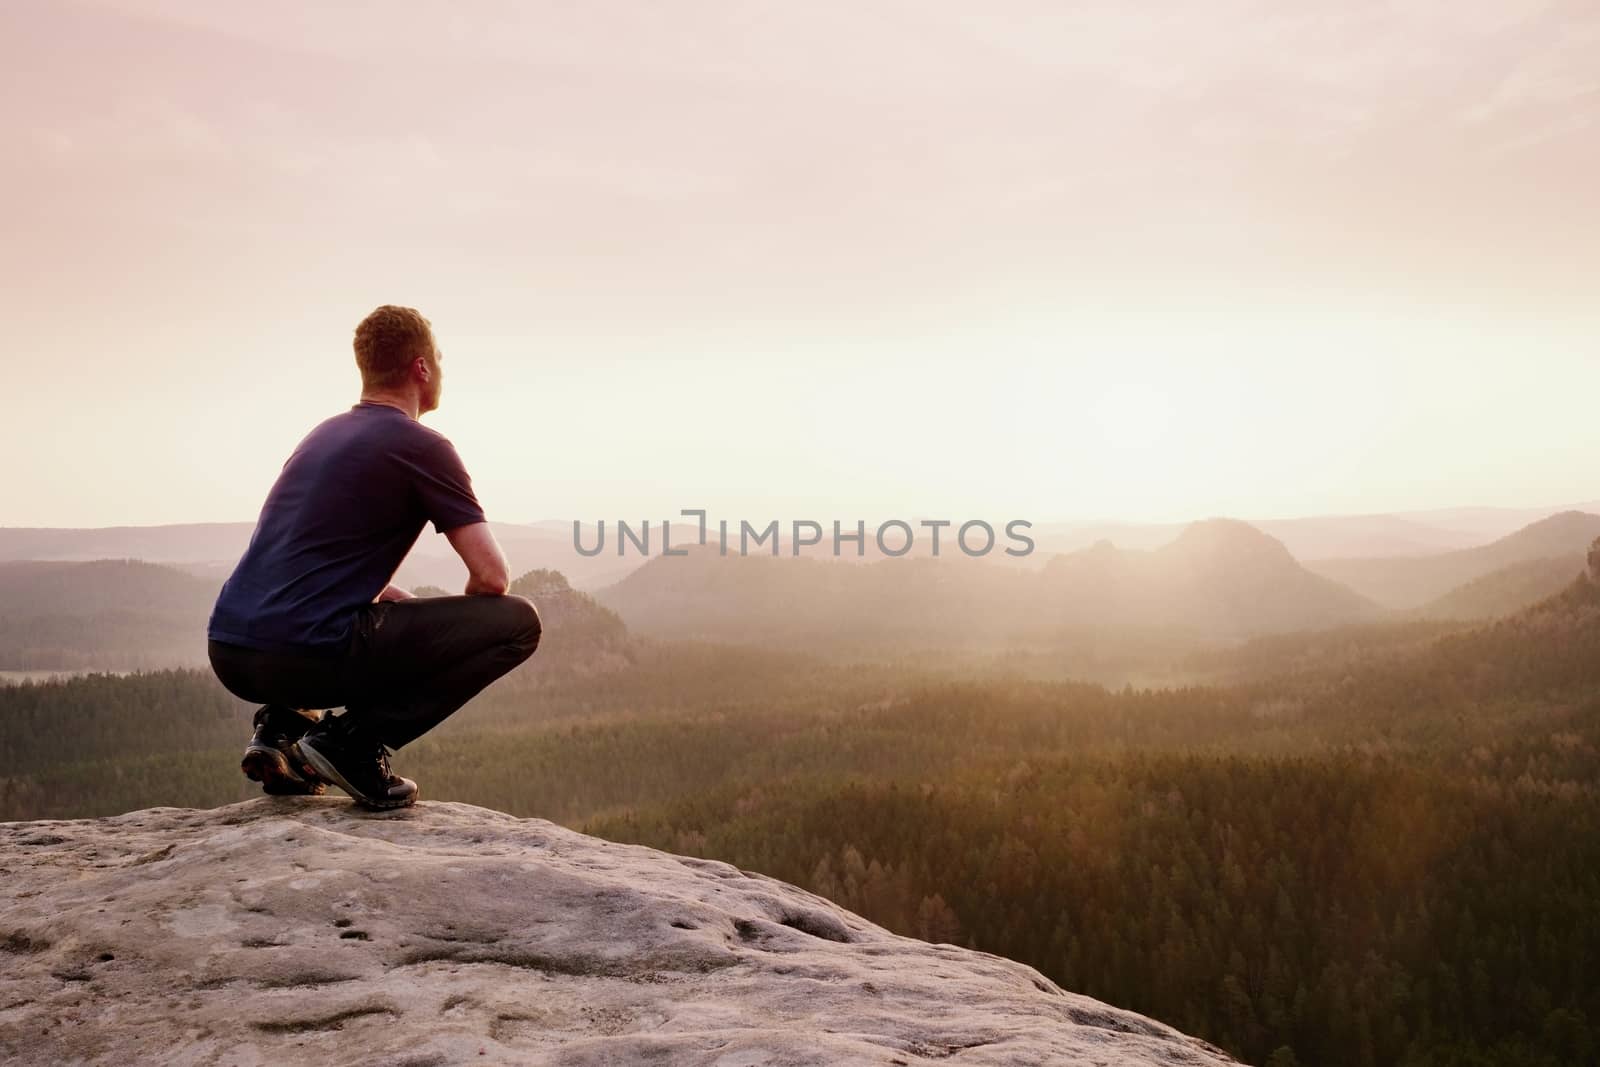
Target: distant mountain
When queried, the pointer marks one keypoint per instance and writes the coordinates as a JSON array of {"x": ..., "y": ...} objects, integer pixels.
[
  {"x": 40, "y": 587},
  {"x": 112, "y": 614},
  {"x": 121, "y": 614},
  {"x": 1485, "y": 524},
  {"x": 210, "y": 550},
  {"x": 180, "y": 543},
  {"x": 1364, "y": 535},
  {"x": 1400, "y": 667},
  {"x": 1219, "y": 576},
  {"x": 1412, "y": 582},
  {"x": 1315, "y": 536},
  {"x": 809, "y": 602}
]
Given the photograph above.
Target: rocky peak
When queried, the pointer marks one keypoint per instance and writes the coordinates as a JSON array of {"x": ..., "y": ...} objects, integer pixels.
[{"x": 1226, "y": 542}]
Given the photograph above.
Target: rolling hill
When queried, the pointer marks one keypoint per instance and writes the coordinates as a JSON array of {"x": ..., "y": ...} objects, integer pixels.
[
  {"x": 1217, "y": 579},
  {"x": 210, "y": 550},
  {"x": 1505, "y": 591},
  {"x": 110, "y": 614},
  {"x": 1221, "y": 577},
  {"x": 1413, "y": 581},
  {"x": 124, "y": 614}
]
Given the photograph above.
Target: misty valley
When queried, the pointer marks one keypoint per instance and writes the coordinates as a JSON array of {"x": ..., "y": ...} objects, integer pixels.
[{"x": 1333, "y": 810}]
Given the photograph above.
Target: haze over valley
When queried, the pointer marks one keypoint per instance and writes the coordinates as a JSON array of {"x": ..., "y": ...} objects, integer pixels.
[
  {"x": 1272, "y": 328},
  {"x": 1144, "y": 771}
]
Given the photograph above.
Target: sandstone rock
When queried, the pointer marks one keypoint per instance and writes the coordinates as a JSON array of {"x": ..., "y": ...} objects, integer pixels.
[{"x": 306, "y": 931}]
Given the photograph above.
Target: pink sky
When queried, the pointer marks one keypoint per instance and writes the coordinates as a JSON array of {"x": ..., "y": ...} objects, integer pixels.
[{"x": 704, "y": 223}]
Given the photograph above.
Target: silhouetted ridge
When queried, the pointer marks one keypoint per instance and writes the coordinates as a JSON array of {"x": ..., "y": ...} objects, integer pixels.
[{"x": 1411, "y": 582}]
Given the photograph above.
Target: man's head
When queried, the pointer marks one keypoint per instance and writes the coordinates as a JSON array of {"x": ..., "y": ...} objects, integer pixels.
[{"x": 397, "y": 356}]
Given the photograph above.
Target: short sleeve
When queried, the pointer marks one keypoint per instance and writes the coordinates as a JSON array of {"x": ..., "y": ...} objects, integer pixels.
[{"x": 444, "y": 487}]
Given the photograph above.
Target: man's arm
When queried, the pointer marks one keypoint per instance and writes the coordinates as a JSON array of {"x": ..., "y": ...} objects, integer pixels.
[
  {"x": 393, "y": 592},
  {"x": 488, "y": 573}
]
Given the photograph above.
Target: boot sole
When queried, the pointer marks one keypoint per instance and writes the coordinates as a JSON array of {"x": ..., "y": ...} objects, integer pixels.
[
  {"x": 269, "y": 767},
  {"x": 324, "y": 769}
]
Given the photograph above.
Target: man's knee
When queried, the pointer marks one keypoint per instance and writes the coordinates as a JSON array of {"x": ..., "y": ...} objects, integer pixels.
[{"x": 526, "y": 626}]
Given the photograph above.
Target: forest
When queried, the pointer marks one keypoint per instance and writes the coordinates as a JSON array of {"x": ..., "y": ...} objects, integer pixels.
[{"x": 1373, "y": 846}]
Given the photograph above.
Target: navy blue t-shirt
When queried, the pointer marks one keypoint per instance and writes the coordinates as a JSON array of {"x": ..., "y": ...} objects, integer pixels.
[{"x": 347, "y": 507}]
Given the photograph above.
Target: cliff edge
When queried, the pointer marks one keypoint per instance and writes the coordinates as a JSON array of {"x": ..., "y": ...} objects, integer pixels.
[{"x": 304, "y": 930}]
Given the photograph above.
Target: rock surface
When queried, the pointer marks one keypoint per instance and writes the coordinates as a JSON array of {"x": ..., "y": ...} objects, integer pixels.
[{"x": 299, "y": 930}]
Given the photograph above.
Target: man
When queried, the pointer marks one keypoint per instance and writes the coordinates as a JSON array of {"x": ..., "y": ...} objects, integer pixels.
[{"x": 309, "y": 619}]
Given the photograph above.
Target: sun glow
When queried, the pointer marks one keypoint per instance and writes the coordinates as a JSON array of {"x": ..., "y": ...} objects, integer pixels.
[{"x": 1132, "y": 416}]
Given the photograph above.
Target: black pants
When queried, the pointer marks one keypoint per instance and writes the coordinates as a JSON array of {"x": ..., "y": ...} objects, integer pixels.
[{"x": 409, "y": 664}]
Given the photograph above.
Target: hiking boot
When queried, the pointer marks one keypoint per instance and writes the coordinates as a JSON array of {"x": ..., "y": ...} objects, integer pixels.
[
  {"x": 269, "y": 758},
  {"x": 338, "y": 751}
]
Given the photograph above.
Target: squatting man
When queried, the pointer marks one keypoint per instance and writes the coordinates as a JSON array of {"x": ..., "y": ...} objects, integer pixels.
[{"x": 308, "y": 621}]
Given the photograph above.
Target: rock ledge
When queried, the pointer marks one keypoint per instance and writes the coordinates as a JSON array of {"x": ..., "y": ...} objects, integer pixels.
[{"x": 301, "y": 930}]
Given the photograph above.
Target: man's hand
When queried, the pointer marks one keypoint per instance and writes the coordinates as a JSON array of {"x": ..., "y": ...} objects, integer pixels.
[
  {"x": 394, "y": 592},
  {"x": 478, "y": 587}
]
